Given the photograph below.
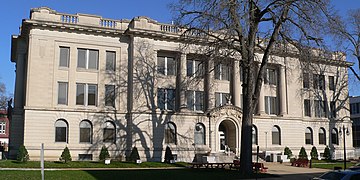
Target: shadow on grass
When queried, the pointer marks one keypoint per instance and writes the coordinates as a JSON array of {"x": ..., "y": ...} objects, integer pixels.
[{"x": 174, "y": 174}]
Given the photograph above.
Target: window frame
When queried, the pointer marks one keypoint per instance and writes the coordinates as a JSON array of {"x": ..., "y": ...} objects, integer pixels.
[
  {"x": 110, "y": 99},
  {"x": 86, "y": 95},
  {"x": 307, "y": 107},
  {"x": 334, "y": 136},
  {"x": 106, "y": 128},
  {"x": 220, "y": 98},
  {"x": 320, "y": 108},
  {"x": 199, "y": 133},
  {"x": 87, "y": 59},
  {"x": 2, "y": 127},
  {"x": 322, "y": 136},
  {"x": 66, "y": 92},
  {"x": 67, "y": 56},
  {"x": 192, "y": 100},
  {"x": 254, "y": 135},
  {"x": 271, "y": 105},
  {"x": 222, "y": 71},
  {"x": 306, "y": 80},
  {"x": 90, "y": 135},
  {"x": 170, "y": 133},
  {"x": 274, "y": 138},
  {"x": 113, "y": 69},
  {"x": 197, "y": 68},
  {"x": 166, "y": 69},
  {"x": 271, "y": 77},
  {"x": 165, "y": 102},
  {"x": 59, "y": 124},
  {"x": 309, "y": 138}
]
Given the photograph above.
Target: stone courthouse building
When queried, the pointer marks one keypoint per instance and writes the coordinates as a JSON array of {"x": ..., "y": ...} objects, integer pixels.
[{"x": 84, "y": 82}]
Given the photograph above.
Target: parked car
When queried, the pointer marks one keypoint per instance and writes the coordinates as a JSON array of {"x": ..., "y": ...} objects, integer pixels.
[
  {"x": 355, "y": 167},
  {"x": 340, "y": 175}
]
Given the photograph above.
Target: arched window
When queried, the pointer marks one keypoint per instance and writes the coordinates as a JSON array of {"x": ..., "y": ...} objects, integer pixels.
[
  {"x": 334, "y": 136},
  {"x": 322, "y": 136},
  {"x": 109, "y": 132},
  {"x": 170, "y": 133},
  {"x": 254, "y": 135},
  {"x": 276, "y": 135},
  {"x": 85, "y": 131},
  {"x": 199, "y": 134},
  {"x": 308, "y": 136},
  {"x": 61, "y": 131}
]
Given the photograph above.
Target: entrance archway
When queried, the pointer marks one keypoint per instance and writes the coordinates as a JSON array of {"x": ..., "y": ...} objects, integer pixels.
[{"x": 227, "y": 136}]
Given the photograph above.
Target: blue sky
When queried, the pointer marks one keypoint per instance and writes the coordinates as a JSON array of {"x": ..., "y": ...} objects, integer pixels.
[{"x": 14, "y": 11}]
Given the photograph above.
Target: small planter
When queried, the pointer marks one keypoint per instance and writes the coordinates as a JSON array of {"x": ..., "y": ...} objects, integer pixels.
[
  {"x": 107, "y": 161},
  {"x": 138, "y": 161}
]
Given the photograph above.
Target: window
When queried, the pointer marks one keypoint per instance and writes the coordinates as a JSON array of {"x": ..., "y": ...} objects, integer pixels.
[
  {"x": 271, "y": 76},
  {"x": 170, "y": 133},
  {"x": 319, "y": 81},
  {"x": 276, "y": 136},
  {"x": 331, "y": 83},
  {"x": 254, "y": 136},
  {"x": 308, "y": 136},
  {"x": 85, "y": 131},
  {"x": 322, "y": 136},
  {"x": 221, "y": 99},
  {"x": 333, "y": 109},
  {"x": 271, "y": 105},
  {"x": 320, "y": 110},
  {"x": 88, "y": 59},
  {"x": 195, "y": 100},
  {"x": 222, "y": 72},
  {"x": 2, "y": 127},
  {"x": 166, "y": 99},
  {"x": 110, "y": 95},
  {"x": 109, "y": 132},
  {"x": 110, "y": 61},
  {"x": 306, "y": 80},
  {"x": 64, "y": 57},
  {"x": 195, "y": 68},
  {"x": 61, "y": 131},
  {"x": 354, "y": 108},
  {"x": 334, "y": 136},
  {"x": 62, "y": 93},
  {"x": 307, "y": 108},
  {"x": 166, "y": 65},
  {"x": 199, "y": 134},
  {"x": 85, "y": 157},
  {"x": 86, "y": 94}
]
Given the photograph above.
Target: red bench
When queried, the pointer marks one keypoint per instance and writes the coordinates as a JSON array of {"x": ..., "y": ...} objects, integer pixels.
[
  {"x": 260, "y": 167},
  {"x": 300, "y": 163}
]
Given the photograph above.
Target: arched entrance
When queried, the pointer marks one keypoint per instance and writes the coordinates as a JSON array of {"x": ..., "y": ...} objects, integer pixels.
[{"x": 227, "y": 136}]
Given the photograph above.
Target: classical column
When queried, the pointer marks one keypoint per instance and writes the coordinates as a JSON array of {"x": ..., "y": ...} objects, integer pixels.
[
  {"x": 182, "y": 82},
  {"x": 236, "y": 84},
  {"x": 282, "y": 91},
  {"x": 209, "y": 84},
  {"x": 261, "y": 103}
]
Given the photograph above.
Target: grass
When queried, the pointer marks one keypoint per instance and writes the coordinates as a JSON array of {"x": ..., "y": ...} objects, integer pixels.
[
  {"x": 87, "y": 164},
  {"x": 174, "y": 174},
  {"x": 331, "y": 165}
]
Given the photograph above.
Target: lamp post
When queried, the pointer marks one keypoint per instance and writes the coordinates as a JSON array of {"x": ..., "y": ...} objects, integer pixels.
[{"x": 346, "y": 133}]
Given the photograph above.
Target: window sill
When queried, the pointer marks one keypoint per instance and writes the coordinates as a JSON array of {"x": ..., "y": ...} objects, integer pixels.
[
  {"x": 87, "y": 70},
  {"x": 64, "y": 68}
]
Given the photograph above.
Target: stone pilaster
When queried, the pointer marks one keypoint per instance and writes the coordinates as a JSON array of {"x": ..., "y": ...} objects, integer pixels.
[{"x": 282, "y": 91}]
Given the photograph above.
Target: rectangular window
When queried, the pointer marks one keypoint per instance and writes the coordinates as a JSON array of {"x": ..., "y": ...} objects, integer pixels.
[
  {"x": 110, "y": 95},
  {"x": 86, "y": 94},
  {"x": 195, "y": 68},
  {"x": 320, "y": 108},
  {"x": 222, "y": 72},
  {"x": 166, "y": 65},
  {"x": 64, "y": 56},
  {"x": 319, "y": 81},
  {"x": 2, "y": 127},
  {"x": 195, "y": 100},
  {"x": 271, "y": 76},
  {"x": 271, "y": 105},
  {"x": 88, "y": 59},
  {"x": 221, "y": 99},
  {"x": 62, "y": 92},
  {"x": 110, "y": 61},
  {"x": 307, "y": 108},
  {"x": 60, "y": 134},
  {"x": 333, "y": 109},
  {"x": 85, "y": 135},
  {"x": 306, "y": 80},
  {"x": 166, "y": 99},
  {"x": 331, "y": 83},
  {"x": 109, "y": 135}
]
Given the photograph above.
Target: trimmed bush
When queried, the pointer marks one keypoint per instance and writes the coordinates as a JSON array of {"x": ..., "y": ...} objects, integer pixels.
[
  {"x": 23, "y": 155},
  {"x": 104, "y": 153},
  {"x": 314, "y": 153},
  {"x": 302, "y": 153},
  {"x": 65, "y": 155},
  {"x": 168, "y": 154},
  {"x": 327, "y": 154},
  {"x": 288, "y": 152},
  {"x": 134, "y": 155}
]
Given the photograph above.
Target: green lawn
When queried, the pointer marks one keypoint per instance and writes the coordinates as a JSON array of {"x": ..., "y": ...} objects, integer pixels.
[
  {"x": 173, "y": 174},
  {"x": 331, "y": 165},
  {"x": 86, "y": 164}
]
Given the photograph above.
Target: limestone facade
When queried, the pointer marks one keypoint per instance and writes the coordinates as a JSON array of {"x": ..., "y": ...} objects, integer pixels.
[{"x": 84, "y": 82}]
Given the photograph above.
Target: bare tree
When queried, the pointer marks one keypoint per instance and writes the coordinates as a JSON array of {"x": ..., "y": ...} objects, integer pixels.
[
  {"x": 347, "y": 33},
  {"x": 240, "y": 29},
  {"x": 3, "y": 96}
]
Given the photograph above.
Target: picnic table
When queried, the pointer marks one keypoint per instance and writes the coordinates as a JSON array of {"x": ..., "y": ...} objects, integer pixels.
[{"x": 300, "y": 163}]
